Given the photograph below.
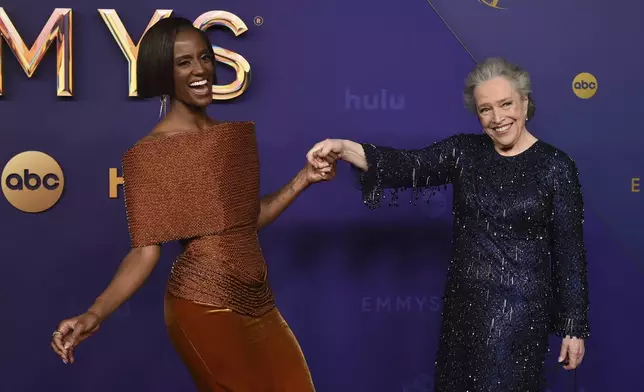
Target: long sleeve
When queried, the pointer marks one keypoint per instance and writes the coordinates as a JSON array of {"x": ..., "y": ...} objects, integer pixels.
[
  {"x": 568, "y": 253},
  {"x": 389, "y": 168}
]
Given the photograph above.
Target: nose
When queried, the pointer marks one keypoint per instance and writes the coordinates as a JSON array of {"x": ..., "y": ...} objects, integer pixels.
[
  {"x": 199, "y": 69},
  {"x": 498, "y": 117}
]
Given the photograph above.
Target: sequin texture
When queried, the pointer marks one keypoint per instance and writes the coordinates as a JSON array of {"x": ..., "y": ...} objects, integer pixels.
[{"x": 518, "y": 268}]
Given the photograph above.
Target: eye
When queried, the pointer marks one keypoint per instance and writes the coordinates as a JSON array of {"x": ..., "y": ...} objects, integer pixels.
[
  {"x": 206, "y": 57},
  {"x": 507, "y": 104},
  {"x": 183, "y": 63},
  {"x": 484, "y": 110}
]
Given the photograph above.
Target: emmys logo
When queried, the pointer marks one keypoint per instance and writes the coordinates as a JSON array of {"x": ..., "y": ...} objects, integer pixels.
[
  {"x": 399, "y": 304},
  {"x": 584, "y": 85},
  {"x": 58, "y": 31},
  {"x": 32, "y": 181},
  {"x": 492, "y": 3}
]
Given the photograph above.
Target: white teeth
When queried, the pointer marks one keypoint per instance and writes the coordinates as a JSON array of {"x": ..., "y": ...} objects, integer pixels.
[
  {"x": 199, "y": 83},
  {"x": 503, "y": 128}
]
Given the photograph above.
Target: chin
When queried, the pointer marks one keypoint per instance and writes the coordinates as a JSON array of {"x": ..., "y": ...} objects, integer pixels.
[
  {"x": 505, "y": 136},
  {"x": 204, "y": 103},
  {"x": 196, "y": 104}
]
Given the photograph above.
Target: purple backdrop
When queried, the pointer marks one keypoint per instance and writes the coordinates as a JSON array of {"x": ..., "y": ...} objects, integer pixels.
[{"x": 361, "y": 290}]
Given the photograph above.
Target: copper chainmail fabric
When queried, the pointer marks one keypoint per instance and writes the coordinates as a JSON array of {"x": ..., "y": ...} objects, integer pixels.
[{"x": 202, "y": 188}]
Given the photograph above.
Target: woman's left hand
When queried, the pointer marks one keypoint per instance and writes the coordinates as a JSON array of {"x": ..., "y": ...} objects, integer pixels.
[
  {"x": 572, "y": 350},
  {"x": 314, "y": 175}
]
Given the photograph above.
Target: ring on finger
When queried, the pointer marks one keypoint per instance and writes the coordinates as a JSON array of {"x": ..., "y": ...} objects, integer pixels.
[{"x": 57, "y": 332}]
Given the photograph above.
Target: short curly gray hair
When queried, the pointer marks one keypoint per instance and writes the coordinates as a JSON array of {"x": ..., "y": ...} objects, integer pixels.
[{"x": 494, "y": 67}]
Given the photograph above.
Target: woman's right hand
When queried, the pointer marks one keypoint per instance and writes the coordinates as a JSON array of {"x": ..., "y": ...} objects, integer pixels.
[
  {"x": 71, "y": 332},
  {"x": 324, "y": 153}
]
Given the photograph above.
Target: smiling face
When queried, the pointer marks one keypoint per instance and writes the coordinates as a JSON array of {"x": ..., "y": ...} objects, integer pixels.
[
  {"x": 193, "y": 69},
  {"x": 502, "y": 112}
]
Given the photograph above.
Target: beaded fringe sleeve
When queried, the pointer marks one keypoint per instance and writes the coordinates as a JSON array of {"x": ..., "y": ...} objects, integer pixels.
[
  {"x": 173, "y": 185},
  {"x": 423, "y": 170}
]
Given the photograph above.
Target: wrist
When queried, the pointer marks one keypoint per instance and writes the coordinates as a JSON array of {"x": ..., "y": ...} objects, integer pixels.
[
  {"x": 96, "y": 311},
  {"x": 301, "y": 180},
  {"x": 354, "y": 154},
  {"x": 345, "y": 148},
  {"x": 95, "y": 314}
]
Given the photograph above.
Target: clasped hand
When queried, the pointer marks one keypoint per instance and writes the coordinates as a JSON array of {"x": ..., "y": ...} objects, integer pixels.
[{"x": 325, "y": 153}]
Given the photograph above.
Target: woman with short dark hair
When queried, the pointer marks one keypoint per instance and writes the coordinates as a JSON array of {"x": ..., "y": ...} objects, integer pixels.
[{"x": 196, "y": 180}]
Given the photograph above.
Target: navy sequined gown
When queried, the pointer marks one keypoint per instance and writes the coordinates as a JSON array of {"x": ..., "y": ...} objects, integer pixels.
[{"x": 518, "y": 270}]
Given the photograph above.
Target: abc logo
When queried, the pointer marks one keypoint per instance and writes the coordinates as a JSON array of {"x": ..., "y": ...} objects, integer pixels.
[
  {"x": 584, "y": 85},
  {"x": 32, "y": 181}
]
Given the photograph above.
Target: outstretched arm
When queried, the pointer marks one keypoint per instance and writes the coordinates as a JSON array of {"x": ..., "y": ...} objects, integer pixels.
[
  {"x": 385, "y": 167},
  {"x": 134, "y": 270},
  {"x": 130, "y": 276},
  {"x": 274, "y": 204}
]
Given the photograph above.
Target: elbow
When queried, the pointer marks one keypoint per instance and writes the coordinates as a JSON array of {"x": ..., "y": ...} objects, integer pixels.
[
  {"x": 262, "y": 216},
  {"x": 261, "y": 223},
  {"x": 146, "y": 255}
]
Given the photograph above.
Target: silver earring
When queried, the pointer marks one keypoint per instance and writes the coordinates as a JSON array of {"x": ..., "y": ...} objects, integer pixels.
[{"x": 164, "y": 106}]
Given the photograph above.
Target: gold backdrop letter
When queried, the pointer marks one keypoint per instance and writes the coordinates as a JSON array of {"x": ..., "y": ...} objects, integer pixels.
[
  {"x": 115, "y": 181},
  {"x": 238, "y": 62},
  {"x": 124, "y": 41},
  {"x": 59, "y": 28}
]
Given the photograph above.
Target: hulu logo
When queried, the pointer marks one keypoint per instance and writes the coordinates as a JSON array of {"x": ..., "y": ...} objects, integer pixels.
[{"x": 382, "y": 100}]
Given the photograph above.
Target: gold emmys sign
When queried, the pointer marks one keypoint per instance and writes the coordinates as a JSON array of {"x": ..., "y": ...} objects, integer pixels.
[{"x": 59, "y": 29}]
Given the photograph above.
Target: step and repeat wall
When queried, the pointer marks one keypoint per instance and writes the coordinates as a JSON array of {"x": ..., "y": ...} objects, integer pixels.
[{"x": 361, "y": 289}]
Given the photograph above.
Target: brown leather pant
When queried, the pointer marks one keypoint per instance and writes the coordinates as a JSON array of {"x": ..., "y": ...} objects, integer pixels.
[{"x": 228, "y": 352}]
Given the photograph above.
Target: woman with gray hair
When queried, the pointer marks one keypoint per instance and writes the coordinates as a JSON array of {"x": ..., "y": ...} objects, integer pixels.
[{"x": 518, "y": 270}]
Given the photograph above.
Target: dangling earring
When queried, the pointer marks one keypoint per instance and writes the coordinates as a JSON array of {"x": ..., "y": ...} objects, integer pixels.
[{"x": 164, "y": 106}]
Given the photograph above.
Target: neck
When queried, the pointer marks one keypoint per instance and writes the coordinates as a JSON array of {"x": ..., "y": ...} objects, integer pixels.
[{"x": 192, "y": 117}]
